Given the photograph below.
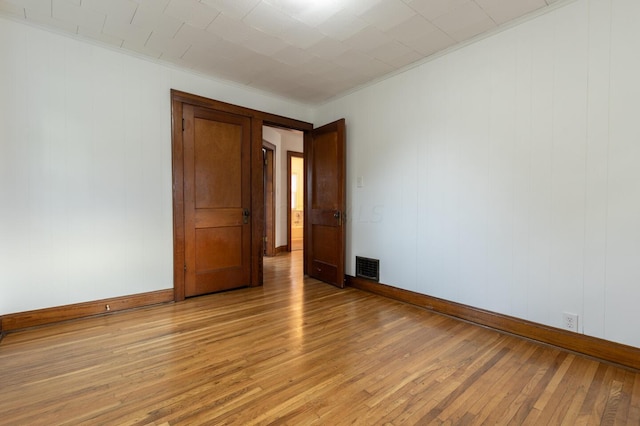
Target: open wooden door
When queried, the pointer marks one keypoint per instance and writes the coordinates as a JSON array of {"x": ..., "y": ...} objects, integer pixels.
[
  {"x": 325, "y": 160},
  {"x": 217, "y": 199}
]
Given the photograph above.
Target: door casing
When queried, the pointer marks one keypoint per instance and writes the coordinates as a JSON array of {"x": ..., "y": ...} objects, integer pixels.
[{"x": 269, "y": 173}]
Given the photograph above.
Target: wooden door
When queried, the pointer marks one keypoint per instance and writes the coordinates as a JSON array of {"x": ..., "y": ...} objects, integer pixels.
[
  {"x": 217, "y": 199},
  {"x": 325, "y": 160}
]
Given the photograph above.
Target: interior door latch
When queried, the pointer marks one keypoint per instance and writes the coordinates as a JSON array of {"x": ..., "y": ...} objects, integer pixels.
[
  {"x": 245, "y": 216},
  {"x": 338, "y": 215}
]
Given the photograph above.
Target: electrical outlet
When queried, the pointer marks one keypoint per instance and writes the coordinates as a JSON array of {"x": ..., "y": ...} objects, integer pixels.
[{"x": 570, "y": 321}]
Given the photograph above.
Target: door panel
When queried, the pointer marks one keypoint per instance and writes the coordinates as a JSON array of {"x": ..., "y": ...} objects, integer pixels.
[
  {"x": 218, "y": 248},
  {"x": 325, "y": 172},
  {"x": 217, "y": 200},
  {"x": 325, "y": 156},
  {"x": 218, "y": 164}
]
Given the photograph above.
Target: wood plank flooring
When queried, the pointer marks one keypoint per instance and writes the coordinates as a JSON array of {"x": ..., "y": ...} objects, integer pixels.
[{"x": 299, "y": 352}]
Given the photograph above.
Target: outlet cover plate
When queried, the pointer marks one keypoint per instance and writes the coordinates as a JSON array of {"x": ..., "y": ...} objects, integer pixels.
[{"x": 570, "y": 321}]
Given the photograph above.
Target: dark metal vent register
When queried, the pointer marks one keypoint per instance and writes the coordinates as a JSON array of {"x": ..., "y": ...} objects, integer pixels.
[{"x": 368, "y": 268}]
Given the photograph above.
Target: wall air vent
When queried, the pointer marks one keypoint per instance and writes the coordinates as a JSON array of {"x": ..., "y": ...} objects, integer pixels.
[{"x": 368, "y": 268}]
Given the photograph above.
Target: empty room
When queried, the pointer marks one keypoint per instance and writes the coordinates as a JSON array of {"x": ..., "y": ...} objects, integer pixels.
[{"x": 319, "y": 212}]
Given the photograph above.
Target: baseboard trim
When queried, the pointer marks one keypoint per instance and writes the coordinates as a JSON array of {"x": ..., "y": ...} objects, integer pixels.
[
  {"x": 22, "y": 320},
  {"x": 613, "y": 352},
  {"x": 281, "y": 249}
]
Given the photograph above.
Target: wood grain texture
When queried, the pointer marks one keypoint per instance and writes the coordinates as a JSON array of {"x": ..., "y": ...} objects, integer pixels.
[
  {"x": 297, "y": 351},
  {"x": 177, "y": 163},
  {"x": 603, "y": 349},
  {"x": 257, "y": 202},
  {"x": 21, "y": 320}
]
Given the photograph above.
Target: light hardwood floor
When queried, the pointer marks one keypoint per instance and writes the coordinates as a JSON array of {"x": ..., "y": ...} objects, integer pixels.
[{"x": 299, "y": 352}]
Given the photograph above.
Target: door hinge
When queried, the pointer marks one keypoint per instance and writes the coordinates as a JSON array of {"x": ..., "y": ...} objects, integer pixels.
[
  {"x": 183, "y": 124},
  {"x": 185, "y": 267}
]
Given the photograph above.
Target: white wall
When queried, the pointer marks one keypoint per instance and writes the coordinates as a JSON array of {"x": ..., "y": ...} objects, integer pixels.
[
  {"x": 85, "y": 168},
  {"x": 284, "y": 141},
  {"x": 506, "y": 175}
]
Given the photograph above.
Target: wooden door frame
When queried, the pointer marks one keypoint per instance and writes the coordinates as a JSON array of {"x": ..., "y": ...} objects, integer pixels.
[
  {"x": 290, "y": 155},
  {"x": 270, "y": 203},
  {"x": 258, "y": 119}
]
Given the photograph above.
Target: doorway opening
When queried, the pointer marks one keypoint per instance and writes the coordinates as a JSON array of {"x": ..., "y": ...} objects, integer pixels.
[
  {"x": 295, "y": 200},
  {"x": 286, "y": 224}
]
